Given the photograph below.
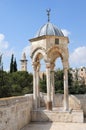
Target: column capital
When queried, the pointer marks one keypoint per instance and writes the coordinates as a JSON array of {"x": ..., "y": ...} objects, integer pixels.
[
  {"x": 65, "y": 65},
  {"x": 38, "y": 67},
  {"x": 66, "y": 68},
  {"x": 52, "y": 66},
  {"x": 48, "y": 65},
  {"x": 34, "y": 65}
]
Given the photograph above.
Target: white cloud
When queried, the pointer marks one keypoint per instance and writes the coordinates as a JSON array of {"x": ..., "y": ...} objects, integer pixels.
[
  {"x": 4, "y": 47},
  {"x": 78, "y": 57},
  {"x": 2, "y": 37},
  {"x": 65, "y": 32},
  {"x": 6, "y": 51},
  {"x": 3, "y": 43},
  {"x": 9, "y": 52}
]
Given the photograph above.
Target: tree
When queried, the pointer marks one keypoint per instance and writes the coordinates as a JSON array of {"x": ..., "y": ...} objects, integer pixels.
[
  {"x": 1, "y": 64},
  {"x": 16, "y": 83},
  {"x": 21, "y": 82},
  {"x": 59, "y": 87},
  {"x": 13, "y": 64},
  {"x": 5, "y": 89},
  {"x": 43, "y": 84},
  {"x": 59, "y": 81}
]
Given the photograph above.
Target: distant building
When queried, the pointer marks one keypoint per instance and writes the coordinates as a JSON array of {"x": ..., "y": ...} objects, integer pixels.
[
  {"x": 74, "y": 73},
  {"x": 80, "y": 74},
  {"x": 23, "y": 62}
]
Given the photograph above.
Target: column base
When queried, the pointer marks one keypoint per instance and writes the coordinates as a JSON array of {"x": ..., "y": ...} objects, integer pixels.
[{"x": 49, "y": 105}]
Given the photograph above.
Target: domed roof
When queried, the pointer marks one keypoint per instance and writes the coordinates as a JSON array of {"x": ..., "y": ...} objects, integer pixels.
[{"x": 49, "y": 29}]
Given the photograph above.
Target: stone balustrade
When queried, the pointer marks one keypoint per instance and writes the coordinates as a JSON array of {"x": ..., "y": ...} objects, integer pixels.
[{"x": 15, "y": 112}]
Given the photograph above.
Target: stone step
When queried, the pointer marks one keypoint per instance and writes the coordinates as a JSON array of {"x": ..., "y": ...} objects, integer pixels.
[
  {"x": 74, "y": 116},
  {"x": 55, "y": 126}
]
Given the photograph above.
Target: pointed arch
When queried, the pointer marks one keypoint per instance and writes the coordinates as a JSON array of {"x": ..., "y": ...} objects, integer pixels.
[{"x": 38, "y": 54}]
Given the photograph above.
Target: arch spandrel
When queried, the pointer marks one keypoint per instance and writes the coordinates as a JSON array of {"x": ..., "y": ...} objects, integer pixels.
[
  {"x": 38, "y": 54},
  {"x": 55, "y": 52},
  {"x": 65, "y": 63},
  {"x": 65, "y": 59}
]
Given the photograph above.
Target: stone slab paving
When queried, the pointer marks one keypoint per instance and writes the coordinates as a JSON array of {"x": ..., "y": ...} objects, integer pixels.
[{"x": 55, "y": 126}]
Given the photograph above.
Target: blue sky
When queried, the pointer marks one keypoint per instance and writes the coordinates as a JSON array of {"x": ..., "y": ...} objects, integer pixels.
[{"x": 20, "y": 20}]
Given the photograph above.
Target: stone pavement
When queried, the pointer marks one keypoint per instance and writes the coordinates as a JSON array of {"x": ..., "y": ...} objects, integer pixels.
[{"x": 55, "y": 126}]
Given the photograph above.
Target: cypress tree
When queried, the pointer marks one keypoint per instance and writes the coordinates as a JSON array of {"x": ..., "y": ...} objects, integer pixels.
[
  {"x": 15, "y": 65},
  {"x": 12, "y": 64}
]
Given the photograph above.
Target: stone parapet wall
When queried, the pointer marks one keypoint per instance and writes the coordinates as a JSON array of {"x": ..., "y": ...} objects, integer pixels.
[
  {"x": 15, "y": 112},
  {"x": 82, "y": 99}
]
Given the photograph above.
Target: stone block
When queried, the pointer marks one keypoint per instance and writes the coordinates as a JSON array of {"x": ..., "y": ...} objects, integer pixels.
[{"x": 57, "y": 116}]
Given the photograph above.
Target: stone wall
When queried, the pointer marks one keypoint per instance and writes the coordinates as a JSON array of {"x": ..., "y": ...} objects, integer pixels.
[
  {"x": 82, "y": 99},
  {"x": 15, "y": 112}
]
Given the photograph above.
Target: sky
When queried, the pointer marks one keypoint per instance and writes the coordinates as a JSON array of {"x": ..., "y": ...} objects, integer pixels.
[{"x": 21, "y": 19}]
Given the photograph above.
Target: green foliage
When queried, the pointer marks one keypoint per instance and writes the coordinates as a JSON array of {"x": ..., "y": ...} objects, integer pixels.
[
  {"x": 59, "y": 81},
  {"x": 5, "y": 90},
  {"x": 43, "y": 84},
  {"x": 75, "y": 86},
  {"x": 21, "y": 82},
  {"x": 15, "y": 84}
]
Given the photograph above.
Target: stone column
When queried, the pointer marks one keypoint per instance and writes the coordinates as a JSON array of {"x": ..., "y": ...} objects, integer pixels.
[
  {"x": 49, "y": 102},
  {"x": 38, "y": 87},
  {"x": 34, "y": 85},
  {"x": 52, "y": 85},
  {"x": 66, "y": 98}
]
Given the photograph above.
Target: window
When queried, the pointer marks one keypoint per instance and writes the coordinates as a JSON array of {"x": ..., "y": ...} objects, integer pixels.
[
  {"x": 81, "y": 69},
  {"x": 56, "y": 41}
]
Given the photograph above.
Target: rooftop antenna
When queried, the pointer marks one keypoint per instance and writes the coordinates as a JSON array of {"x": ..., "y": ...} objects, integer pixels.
[{"x": 48, "y": 14}]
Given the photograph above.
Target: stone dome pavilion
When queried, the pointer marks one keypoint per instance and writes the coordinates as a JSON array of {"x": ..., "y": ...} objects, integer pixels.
[{"x": 49, "y": 44}]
